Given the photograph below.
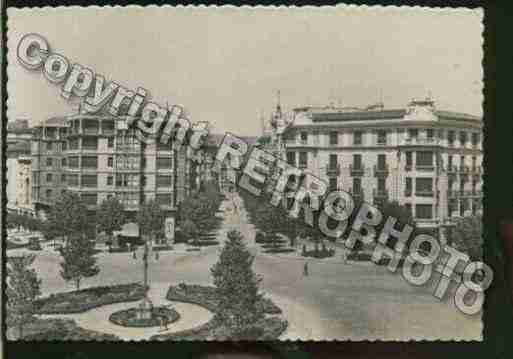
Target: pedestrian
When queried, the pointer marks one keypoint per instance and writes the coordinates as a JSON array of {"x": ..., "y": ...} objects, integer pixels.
[
  {"x": 161, "y": 323},
  {"x": 166, "y": 322},
  {"x": 134, "y": 254},
  {"x": 305, "y": 269},
  {"x": 156, "y": 255},
  {"x": 344, "y": 257}
]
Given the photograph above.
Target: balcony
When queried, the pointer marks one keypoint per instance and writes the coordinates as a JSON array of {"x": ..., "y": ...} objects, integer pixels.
[
  {"x": 381, "y": 194},
  {"x": 302, "y": 165},
  {"x": 452, "y": 170},
  {"x": 425, "y": 168},
  {"x": 357, "y": 171},
  {"x": 381, "y": 171},
  {"x": 333, "y": 170},
  {"x": 424, "y": 193},
  {"x": 453, "y": 194},
  {"x": 357, "y": 194}
]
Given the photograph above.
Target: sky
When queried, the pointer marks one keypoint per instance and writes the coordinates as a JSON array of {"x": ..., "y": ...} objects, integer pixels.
[{"x": 225, "y": 65}]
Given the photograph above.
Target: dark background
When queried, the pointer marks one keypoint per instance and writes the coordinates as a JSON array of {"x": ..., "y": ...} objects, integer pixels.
[{"x": 498, "y": 206}]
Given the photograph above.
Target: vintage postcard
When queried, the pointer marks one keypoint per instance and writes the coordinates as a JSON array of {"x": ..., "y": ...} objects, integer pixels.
[{"x": 244, "y": 173}]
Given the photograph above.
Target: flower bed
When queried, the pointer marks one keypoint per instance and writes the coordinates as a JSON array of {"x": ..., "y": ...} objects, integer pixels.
[
  {"x": 203, "y": 243},
  {"x": 279, "y": 250},
  {"x": 207, "y": 297},
  {"x": 265, "y": 329},
  {"x": 83, "y": 300},
  {"x": 128, "y": 317},
  {"x": 61, "y": 330}
]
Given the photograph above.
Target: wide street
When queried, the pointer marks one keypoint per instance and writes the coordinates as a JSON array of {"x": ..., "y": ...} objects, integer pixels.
[{"x": 355, "y": 301}]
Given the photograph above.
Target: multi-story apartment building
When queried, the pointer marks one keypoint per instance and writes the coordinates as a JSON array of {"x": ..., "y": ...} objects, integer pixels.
[
  {"x": 99, "y": 157},
  {"x": 426, "y": 159}
]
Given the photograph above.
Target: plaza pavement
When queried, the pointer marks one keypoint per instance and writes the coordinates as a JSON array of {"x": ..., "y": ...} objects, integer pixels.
[{"x": 355, "y": 301}]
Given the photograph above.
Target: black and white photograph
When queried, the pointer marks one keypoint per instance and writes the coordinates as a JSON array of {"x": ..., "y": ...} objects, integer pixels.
[{"x": 244, "y": 173}]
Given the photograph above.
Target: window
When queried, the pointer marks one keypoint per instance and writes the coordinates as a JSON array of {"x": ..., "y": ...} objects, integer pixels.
[
  {"x": 90, "y": 143},
  {"x": 382, "y": 161},
  {"x": 424, "y": 187},
  {"x": 164, "y": 146},
  {"x": 164, "y": 163},
  {"x": 463, "y": 138},
  {"x": 63, "y": 162},
  {"x": 49, "y": 146},
  {"x": 357, "y": 185},
  {"x": 413, "y": 133},
  {"x": 90, "y": 162},
  {"x": 424, "y": 211},
  {"x": 424, "y": 159},
  {"x": 89, "y": 198},
  {"x": 72, "y": 180},
  {"x": 164, "y": 181},
  {"x": 449, "y": 160},
  {"x": 63, "y": 178},
  {"x": 381, "y": 185},
  {"x": 48, "y": 162},
  {"x": 462, "y": 161},
  {"x": 408, "y": 208},
  {"x": 110, "y": 180},
  {"x": 357, "y": 138},
  {"x": 73, "y": 144},
  {"x": 64, "y": 145},
  {"x": 430, "y": 134},
  {"x": 450, "y": 137},
  {"x": 333, "y": 183},
  {"x": 475, "y": 139},
  {"x": 73, "y": 162},
  {"x": 49, "y": 177},
  {"x": 474, "y": 161},
  {"x": 408, "y": 190},
  {"x": 357, "y": 161},
  {"x": 48, "y": 193},
  {"x": 110, "y": 142},
  {"x": 291, "y": 158},
  {"x": 89, "y": 180},
  {"x": 304, "y": 137},
  {"x": 163, "y": 199},
  {"x": 110, "y": 162},
  {"x": 333, "y": 138},
  {"x": 382, "y": 137},
  {"x": 333, "y": 161},
  {"x": 303, "y": 159}
]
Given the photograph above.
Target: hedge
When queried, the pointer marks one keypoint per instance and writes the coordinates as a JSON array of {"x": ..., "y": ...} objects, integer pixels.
[{"x": 85, "y": 299}]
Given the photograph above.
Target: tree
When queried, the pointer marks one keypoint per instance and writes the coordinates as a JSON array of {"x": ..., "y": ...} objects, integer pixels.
[
  {"x": 22, "y": 289},
  {"x": 69, "y": 217},
  {"x": 467, "y": 237},
  {"x": 110, "y": 217},
  {"x": 150, "y": 219},
  {"x": 79, "y": 259},
  {"x": 237, "y": 286}
]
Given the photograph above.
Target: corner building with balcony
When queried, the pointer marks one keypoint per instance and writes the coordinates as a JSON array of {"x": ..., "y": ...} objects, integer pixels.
[
  {"x": 99, "y": 157},
  {"x": 426, "y": 159}
]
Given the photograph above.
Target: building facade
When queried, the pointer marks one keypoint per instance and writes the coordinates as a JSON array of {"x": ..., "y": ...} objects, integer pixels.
[
  {"x": 99, "y": 157},
  {"x": 425, "y": 159}
]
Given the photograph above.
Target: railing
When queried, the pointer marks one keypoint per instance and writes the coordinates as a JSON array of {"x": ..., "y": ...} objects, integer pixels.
[
  {"x": 333, "y": 170},
  {"x": 357, "y": 171},
  {"x": 453, "y": 194},
  {"x": 424, "y": 167},
  {"x": 381, "y": 170},
  {"x": 381, "y": 194},
  {"x": 424, "y": 193},
  {"x": 358, "y": 194},
  {"x": 464, "y": 169}
]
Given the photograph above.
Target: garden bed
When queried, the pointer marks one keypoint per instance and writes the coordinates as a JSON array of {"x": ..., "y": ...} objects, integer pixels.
[
  {"x": 128, "y": 317},
  {"x": 272, "y": 250},
  {"x": 61, "y": 330},
  {"x": 206, "y": 296},
  {"x": 83, "y": 300}
]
